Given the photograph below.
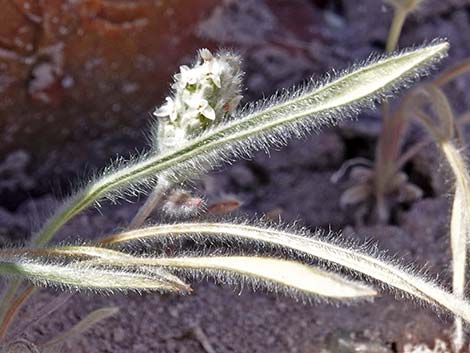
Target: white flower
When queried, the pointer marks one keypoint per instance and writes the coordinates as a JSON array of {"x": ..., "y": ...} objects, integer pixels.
[
  {"x": 203, "y": 93},
  {"x": 213, "y": 68},
  {"x": 189, "y": 76},
  {"x": 206, "y": 54},
  {"x": 199, "y": 106},
  {"x": 170, "y": 109}
]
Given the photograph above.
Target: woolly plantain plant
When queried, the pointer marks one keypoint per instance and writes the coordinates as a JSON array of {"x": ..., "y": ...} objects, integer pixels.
[{"x": 197, "y": 129}]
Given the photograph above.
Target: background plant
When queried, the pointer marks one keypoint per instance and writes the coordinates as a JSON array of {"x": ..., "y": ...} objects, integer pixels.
[
  {"x": 444, "y": 129},
  {"x": 380, "y": 184}
]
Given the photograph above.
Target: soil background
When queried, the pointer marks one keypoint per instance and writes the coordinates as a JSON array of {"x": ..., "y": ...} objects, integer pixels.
[{"x": 78, "y": 80}]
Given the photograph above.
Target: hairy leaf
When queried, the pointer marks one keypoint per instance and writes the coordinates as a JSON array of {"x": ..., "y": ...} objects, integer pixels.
[
  {"x": 285, "y": 273},
  {"x": 269, "y": 272},
  {"x": 259, "y": 126},
  {"x": 347, "y": 256},
  {"x": 105, "y": 276}
]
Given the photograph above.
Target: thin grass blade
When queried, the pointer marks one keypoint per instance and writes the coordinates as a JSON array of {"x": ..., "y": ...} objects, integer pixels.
[{"x": 82, "y": 326}]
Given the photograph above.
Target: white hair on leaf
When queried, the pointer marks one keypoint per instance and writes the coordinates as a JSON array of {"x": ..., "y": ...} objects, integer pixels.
[
  {"x": 365, "y": 260},
  {"x": 260, "y": 126}
]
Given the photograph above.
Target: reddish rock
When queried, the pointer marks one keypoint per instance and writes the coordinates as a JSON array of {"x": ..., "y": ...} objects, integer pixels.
[{"x": 72, "y": 72}]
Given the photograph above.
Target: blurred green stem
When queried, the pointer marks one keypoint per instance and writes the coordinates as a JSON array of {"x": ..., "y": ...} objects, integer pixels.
[
  {"x": 398, "y": 20},
  {"x": 390, "y": 136}
]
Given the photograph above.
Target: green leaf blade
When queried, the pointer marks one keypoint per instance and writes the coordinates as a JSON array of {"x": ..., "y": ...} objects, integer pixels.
[{"x": 274, "y": 274}]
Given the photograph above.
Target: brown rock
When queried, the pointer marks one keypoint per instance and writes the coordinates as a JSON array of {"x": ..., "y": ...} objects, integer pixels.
[{"x": 72, "y": 72}]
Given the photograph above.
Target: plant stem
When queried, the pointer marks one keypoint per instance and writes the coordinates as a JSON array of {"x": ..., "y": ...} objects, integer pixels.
[
  {"x": 8, "y": 296},
  {"x": 396, "y": 27},
  {"x": 84, "y": 324},
  {"x": 445, "y": 133},
  {"x": 152, "y": 201},
  {"x": 459, "y": 230},
  {"x": 452, "y": 73},
  {"x": 391, "y": 133},
  {"x": 13, "y": 309}
]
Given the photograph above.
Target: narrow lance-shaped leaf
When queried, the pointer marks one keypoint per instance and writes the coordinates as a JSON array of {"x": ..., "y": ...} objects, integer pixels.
[
  {"x": 260, "y": 126},
  {"x": 269, "y": 272},
  {"x": 116, "y": 274},
  {"x": 273, "y": 273},
  {"x": 384, "y": 271}
]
